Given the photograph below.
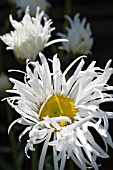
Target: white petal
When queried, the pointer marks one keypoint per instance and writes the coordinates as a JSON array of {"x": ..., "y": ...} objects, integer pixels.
[
  {"x": 43, "y": 153},
  {"x": 16, "y": 121},
  {"x": 56, "y": 41},
  {"x": 24, "y": 132},
  {"x": 71, "y": 65}
]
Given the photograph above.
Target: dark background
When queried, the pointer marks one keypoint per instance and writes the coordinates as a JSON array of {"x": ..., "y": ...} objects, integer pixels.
[{"x": 100, "y": 14}]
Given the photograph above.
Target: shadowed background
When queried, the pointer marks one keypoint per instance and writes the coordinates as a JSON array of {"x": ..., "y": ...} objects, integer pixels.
[{"x": 100, "y": 15}]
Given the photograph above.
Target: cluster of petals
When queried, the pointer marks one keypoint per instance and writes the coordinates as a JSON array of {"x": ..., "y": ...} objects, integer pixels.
[
  {"x": 87, "y": 88},
  {"x": 29, "y": 37},
  {"x": 79, "y": 36}
]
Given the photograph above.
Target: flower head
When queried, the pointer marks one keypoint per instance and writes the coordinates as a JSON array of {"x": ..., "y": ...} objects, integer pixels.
[
  {"x": 79, "y": 36},
  {"x": 29, "y": 37},
  {"x": 60, "y": 112},
  {"x": 22, "y": 4}
]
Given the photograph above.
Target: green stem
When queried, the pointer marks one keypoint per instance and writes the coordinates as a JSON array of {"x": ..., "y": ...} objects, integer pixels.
[
  {"x": 13, "y": 141},
  {"x": 68, "y": 9},
  {"x": 34, "y": 159},
  {"x": 68, "y": 5},
  {"x": 1, "y": 52},
  {"x": 71, "y": 165}
]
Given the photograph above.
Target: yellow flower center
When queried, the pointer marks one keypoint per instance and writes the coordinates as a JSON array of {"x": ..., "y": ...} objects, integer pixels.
[{"x": 59, "y": 105}]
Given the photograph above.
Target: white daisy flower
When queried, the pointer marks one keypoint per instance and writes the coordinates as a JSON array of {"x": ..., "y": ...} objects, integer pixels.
[
  {"x": 79, "y": 36},
  {"x": 59, "y": 112},
  {"x": 29, "y": 37},
  {"x": 22, "y": 4}
]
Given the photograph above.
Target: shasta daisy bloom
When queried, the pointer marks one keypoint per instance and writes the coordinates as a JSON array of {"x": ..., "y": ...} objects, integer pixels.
[
  {"x": 59, "y": 111},
  {"x": 79, "y": 36},
  {"x": 29, "y": 37}
]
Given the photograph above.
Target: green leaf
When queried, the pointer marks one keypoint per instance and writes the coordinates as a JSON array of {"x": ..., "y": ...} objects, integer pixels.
[{"x": 48, "y": 163}]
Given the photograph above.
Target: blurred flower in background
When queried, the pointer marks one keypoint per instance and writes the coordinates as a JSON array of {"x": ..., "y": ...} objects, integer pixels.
[
  {"x": 79, "y": 36},
  {"x": 22, "y": 4},
  {"x": 49, "y": 104},
  {"x": 29, "y": 37},
  {"x": 4, "y": 84}
]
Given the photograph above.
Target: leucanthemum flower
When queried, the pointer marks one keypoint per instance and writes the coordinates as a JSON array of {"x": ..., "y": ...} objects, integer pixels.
[
  {"x": 29, "y": 37},
  {"x": 22, "y": 4},
  {"x": 60, "y": 112},
  {"x": 79, "y": 36}
]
